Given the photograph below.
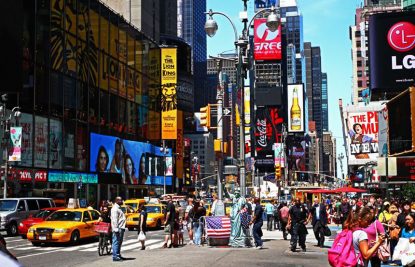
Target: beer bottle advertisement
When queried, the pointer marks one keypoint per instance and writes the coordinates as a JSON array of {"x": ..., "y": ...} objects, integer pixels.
[{"x": 295, "y": 108}]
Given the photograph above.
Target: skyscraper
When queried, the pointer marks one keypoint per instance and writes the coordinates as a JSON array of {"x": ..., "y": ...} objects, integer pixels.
[
  {"x": 324, "y": 102},
  {"x": 190, "y": 26},
  {"x": 359, "y": 38}
]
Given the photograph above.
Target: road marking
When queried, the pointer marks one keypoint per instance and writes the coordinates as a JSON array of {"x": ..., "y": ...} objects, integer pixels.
[
  {"x": 138, "y": 244},
  {"x": 73, "y": 248}
]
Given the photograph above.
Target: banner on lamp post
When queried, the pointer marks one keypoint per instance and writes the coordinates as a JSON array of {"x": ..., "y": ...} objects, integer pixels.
[
  {"x": 16, "y": 140},
  {"x": 169, "y": 93}
]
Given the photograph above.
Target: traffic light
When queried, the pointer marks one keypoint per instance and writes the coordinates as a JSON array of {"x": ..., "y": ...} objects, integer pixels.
[
  {"x": 277, "y": 172},
  {"x": 205, "y": 116}
]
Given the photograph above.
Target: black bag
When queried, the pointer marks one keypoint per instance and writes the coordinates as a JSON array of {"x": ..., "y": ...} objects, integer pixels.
[
  {"x": 302, "y": 229},
  {"x": 327, "y": 231}
]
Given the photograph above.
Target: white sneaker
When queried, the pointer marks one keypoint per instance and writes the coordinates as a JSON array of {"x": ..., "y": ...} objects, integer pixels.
[
  {"x": 259, "y": 247},
  {"x": 190, "y": 242}
]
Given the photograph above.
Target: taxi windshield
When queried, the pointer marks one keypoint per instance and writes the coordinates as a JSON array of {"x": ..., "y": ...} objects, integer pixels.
[
  {"x": 43, "y": 214},
  {"x": 153, "y": 209},
  {"x": 71, "y": 216}
]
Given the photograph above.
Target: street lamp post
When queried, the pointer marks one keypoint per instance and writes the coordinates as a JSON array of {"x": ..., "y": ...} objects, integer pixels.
[
  {"x": 241, "y": 44},
  {"x": 5, "y": 122},
  {"x": 164, "y": 150}
]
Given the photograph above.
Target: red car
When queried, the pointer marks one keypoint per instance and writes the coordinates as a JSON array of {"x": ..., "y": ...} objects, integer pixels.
[{"x": 35, "y": 219}]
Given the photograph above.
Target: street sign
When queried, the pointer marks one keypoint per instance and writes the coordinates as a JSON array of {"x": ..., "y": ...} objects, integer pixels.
[{"x": 226, "y": 111}]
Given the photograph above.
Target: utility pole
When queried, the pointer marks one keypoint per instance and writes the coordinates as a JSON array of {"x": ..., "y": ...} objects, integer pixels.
[{"x": 219, "y": 102}]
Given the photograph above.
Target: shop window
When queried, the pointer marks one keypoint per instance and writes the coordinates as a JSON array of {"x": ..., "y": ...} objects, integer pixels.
[
  {"x": 41, "y": 142},
  {"x": 55, "y": 144},
  {"x": 81, "y": 148},
  {"x": 69, "y": 144}
]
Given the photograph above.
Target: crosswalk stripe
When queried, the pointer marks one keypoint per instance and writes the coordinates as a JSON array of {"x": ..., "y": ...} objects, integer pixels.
[
  {"x": 73, "y": 248},
  {"x": 122, "y": 247},
  {"x": 138, "y": 244}
]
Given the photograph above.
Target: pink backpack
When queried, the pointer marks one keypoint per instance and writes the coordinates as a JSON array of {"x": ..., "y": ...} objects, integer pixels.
[{"x": 342, "y": 253}]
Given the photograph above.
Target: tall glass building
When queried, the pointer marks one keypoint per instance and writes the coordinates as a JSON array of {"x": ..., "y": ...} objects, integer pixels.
[
  {"x": 89, "y": 93},
  {"x": 190, "y": 27},
  {"x": 324, "y": 103}
]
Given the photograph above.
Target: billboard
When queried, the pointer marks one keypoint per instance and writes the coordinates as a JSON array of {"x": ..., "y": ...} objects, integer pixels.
[
  {"x": 137, "y": 162},
  {"x": 392, "y": 50},
  {"x": 362, "y": 134},
  {"x": 267, "y": 44},
  {"x": 401, "y": 112},
  {"x": 267, "y": 132},
  {"x": 16, "y": 144},
  {"x": 279, "y": 159},
  {"x": 295, "y": 104},
  {"x": 168, "y": 93},
  {"x": 383, "y": 132}
]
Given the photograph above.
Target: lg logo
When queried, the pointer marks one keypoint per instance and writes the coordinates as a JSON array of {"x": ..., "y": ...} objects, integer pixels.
[
  {"x": 264, "y": 34},
  {"x": 401, "y": 36}
]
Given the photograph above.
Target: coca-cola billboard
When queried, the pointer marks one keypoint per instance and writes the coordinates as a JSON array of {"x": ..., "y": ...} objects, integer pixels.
[
  {"x": 267, "y": 132},
  {"x": 392, "y": 50},
  {"x": 267, "y": 44}
]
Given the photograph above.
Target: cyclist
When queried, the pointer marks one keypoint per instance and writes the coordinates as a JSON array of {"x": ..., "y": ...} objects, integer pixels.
[{"x": 105, "y": 215}]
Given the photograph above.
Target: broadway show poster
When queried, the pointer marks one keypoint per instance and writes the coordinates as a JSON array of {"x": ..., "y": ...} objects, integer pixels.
[
  {"x": 169, "y": 93},
  {"x": 41, "y": 142},
  {"x": 362, "y": 134},
  {"x": 26, "y": 122},
  {"x": 16, "y": 140},
  {"x": 137, "y": 162}
]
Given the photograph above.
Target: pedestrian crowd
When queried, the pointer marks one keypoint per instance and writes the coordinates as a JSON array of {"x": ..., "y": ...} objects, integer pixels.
[{"x": 378, "y": 230}]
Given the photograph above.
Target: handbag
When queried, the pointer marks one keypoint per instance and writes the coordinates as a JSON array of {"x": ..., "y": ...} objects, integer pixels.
[
  {"x": 384, "y": 249},
  {"x": 141, "y": 236},
  {"x": 394, "y": 233},
  {"x": 327, "y": 231}
]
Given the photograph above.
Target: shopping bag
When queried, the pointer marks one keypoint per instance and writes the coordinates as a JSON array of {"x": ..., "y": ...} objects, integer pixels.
[
  {"x": 384, "y": 251},
  {"x": 400, "y": 249},
  {"x": 327, "y": 231},
  {"x": 141, "y": 236},
  {"x": 408, "y": 258}
]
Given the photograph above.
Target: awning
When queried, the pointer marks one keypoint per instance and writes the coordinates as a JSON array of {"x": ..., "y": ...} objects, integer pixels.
[{"x": 349, "y": 190}]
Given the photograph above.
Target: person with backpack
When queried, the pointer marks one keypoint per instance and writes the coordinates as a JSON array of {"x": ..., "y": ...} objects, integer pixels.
[
  {"x": 351, "y": 246},
  {"x": 374, "y": 229}
]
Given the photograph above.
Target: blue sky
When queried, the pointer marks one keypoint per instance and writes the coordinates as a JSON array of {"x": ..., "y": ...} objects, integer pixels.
[{"x": 326, "y": 24}]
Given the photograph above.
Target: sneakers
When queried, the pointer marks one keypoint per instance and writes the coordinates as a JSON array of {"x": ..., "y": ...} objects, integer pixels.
[
  {"x": 191, "y": 242},
  {"x": 117, "y": 259},
  {"x": 259, "y": 247}
]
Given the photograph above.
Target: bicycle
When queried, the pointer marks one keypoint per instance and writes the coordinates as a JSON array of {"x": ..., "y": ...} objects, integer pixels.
[{"x": 104, "y": 243}]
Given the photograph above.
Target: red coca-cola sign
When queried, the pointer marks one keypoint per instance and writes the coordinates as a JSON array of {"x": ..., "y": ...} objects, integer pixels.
[{"x": 267, "y": 44}]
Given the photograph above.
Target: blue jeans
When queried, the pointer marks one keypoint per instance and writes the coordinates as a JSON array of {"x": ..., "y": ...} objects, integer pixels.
[
  {"x": 257, "y": 232},
  {"x": 197, "y": 232},
  {"x": 117, "y": 238}
]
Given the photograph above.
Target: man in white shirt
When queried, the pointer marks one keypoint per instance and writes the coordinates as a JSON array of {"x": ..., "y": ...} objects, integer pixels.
[{"x": 118, "y": 229}]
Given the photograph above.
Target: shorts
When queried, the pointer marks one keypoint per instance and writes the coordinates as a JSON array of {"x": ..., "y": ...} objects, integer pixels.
[{"x": 168, "y": 229}]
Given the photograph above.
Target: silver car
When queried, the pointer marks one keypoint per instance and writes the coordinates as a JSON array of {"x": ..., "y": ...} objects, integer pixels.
[{"x": 15, "y": 210}]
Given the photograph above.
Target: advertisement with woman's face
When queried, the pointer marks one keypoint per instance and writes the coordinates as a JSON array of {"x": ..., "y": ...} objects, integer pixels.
[{"x": 137, "y": 162}]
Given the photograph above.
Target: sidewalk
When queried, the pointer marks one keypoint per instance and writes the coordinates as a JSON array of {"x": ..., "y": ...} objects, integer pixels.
[{"x": 275, "y": 253}]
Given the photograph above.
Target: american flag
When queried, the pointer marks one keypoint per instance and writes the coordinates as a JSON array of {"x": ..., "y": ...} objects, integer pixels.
[{"x": 218, "y": 227}]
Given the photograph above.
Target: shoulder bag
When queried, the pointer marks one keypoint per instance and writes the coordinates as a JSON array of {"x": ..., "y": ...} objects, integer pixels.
[{"x": 384, "y": 249}]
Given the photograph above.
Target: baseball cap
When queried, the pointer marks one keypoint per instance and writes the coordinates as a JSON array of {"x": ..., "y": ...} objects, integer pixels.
[{"x": 386, "y": 203}]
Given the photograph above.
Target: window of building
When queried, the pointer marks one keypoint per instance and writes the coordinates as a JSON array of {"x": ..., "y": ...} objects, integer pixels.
[
  {"x": 359, "y": 63},
  {"x": 359, "y": 83}
]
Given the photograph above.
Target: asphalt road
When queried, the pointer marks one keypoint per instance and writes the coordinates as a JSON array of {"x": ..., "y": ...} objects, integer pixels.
[{"x": 67, "y": 255}]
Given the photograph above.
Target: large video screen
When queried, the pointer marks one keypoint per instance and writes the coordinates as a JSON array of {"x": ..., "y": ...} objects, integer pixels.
[{"x": 137, "y": 162}]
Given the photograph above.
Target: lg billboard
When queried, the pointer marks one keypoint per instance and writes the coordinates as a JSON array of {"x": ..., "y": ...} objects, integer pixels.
[
  {"x": 267, "y": 43},
  {"x": 392, "y": 50}
]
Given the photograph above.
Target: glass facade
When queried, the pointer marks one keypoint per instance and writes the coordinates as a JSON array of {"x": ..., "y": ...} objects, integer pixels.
[
  {"x": 408, "y": 4},
  {"x": 85, "y": 70},
  {"x": 324, "y": 102}
]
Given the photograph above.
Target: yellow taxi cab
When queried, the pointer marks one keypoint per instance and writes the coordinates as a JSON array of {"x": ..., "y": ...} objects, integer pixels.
[
  {"x": 66, "y": 225},
  {"x": 155, "y": 217},
  {"x": 135, "y": 203}
]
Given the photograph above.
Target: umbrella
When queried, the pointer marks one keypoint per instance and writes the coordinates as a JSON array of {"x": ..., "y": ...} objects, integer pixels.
[
  {"x": 349, "y": 190},
  {"x": 321, "y": 191}
]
